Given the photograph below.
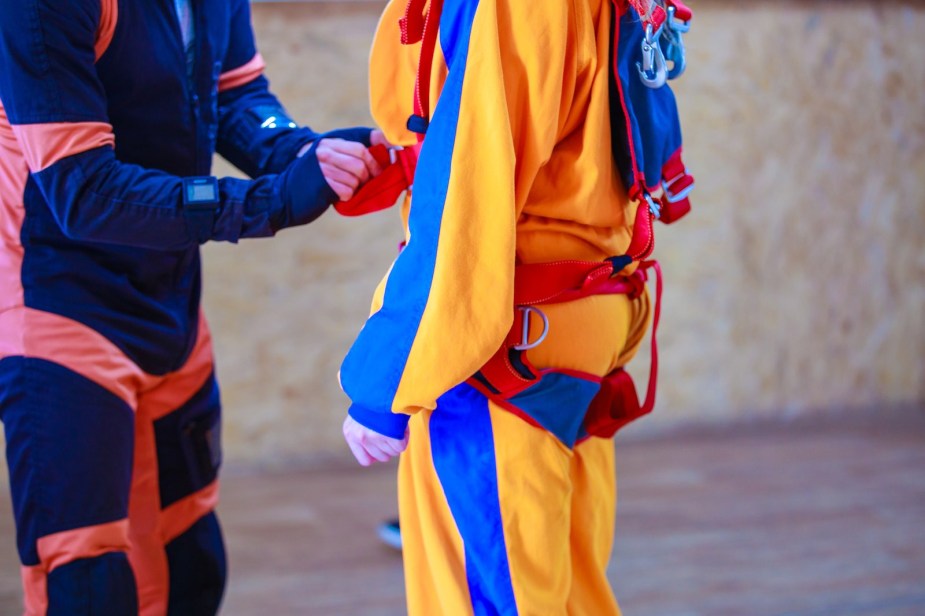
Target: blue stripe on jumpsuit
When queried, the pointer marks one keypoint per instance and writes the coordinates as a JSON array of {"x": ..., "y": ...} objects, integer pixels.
[
  {"x": 389, "y": 334},
  {"x": 463, "y": 450}
]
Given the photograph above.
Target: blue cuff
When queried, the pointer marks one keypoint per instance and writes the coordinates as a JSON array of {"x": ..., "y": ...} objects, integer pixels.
[
  {"x": 389, "y": 424},
  {"x": 304, "y": 191},
  {"x": 362, "y": 134}
]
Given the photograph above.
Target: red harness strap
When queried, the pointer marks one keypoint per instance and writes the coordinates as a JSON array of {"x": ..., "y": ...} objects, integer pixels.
[
  {"x": 509, "y": 372},
  {"x": 418, "y": 26},
  {"x": 398, "y": 175}
]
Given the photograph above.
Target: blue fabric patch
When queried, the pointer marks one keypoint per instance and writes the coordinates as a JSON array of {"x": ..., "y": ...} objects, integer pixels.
[
  {"x": 656, "y": 129},
  {"x": 559, "y": 403},
  {"x": 69, "y": 448},
  {"x": 198, "y": 568},
  {"x": 463, "y": 450},
  {"x": 188, "y": 445},
  {"x": 373, "y": 368},
  {"x": 99, "y": 586}
]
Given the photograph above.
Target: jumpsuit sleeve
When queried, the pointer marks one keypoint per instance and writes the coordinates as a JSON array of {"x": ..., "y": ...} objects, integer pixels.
[
  {"x": 57, "y": 108},
  {"x": 256, "y": 134},
  {"x": 447, "y": 300}
]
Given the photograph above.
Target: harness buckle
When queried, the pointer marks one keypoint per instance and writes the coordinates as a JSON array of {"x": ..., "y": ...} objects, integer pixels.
[
  {"x": 654, "y": 208},
  {"x": 653, "y": 70},
  {"x": 674, "y": 197},
  {"x": 525, "y": 344}
]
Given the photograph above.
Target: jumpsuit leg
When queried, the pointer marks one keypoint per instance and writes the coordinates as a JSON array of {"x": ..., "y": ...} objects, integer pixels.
[
  {"x": 69, "y": 451},
  {"x": 177, "y": 552},
  {"x": 498, "y": 515},
  {"x": 593, "y": 473},
  {"x": 483, "y": 499},
  {"x": 113, "y": 490}
]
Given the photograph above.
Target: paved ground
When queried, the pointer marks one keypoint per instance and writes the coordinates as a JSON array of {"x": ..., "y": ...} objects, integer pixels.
[{"x": 805, "y": 520}]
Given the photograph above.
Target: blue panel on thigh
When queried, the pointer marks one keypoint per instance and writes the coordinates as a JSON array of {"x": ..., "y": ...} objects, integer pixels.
[
  {"x": 197, "y": 569},
  {"x": 559, "y": 403},
  {"x": 69, "y": 450},
  {"x": 188, "y": 445},
  {"x": 463, "y": 449},
  {"x": 100, "y": 586}
]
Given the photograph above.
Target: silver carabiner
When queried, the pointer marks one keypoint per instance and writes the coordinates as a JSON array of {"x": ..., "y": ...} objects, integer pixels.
[
  {"x": 681, "y": 27},
  {"x": 653, "y": 71},
  {"x": 525, "y": 344},
  {"x": 673, "y": 44}
]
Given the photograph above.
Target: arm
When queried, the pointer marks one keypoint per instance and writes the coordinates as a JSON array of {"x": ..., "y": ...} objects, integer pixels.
[
  {"x": 447, "y": 301},
  {"x": 255, "y": 132},
  {"x": 57, "y": 109}
]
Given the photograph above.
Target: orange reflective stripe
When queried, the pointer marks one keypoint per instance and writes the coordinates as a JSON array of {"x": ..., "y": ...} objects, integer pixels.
[
  {"x": 175, "y": 389},
  {"x": 45, "y": 144},
  {"x": 35, "y": 590},
  {"x": 242, "y": 75},
  {"x": 61, "y": 548},
  {"x": 181, "y": 515},
  {"x": 146, "y": 555},
  {"x": 13, "y": 176},
  {"x": 109, "y": 14},
  {"x": 43, "y": 335}
]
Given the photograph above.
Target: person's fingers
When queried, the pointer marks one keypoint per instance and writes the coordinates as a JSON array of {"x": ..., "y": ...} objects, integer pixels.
[
  {"x": 343, "y": 192},
  {"x": 346, "y": 165},
  {"x": 339, "y": 175},
  {"x": 352, "y": 435},
  {"x": 359, "y": 453},
  {"x": 390, "y": 446},
  {"x": 351, "y": 156},
  {"x": 377, "y": 137},
  {"x": 375, "y": 449}
]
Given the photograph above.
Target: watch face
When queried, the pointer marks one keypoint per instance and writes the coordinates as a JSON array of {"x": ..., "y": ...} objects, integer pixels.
[{"x": 201, "y": 191}]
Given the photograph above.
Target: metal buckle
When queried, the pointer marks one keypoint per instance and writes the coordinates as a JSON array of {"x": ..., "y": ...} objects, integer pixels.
[
  {"x": 525, "y": 344},
  {"x": 653, "y": 70},
  {"x": 673, "y": 197},
  {"x": 654, "y": 208}
]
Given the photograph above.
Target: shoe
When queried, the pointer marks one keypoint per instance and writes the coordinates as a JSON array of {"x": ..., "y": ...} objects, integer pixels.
[{"x": 390, "y": 533}]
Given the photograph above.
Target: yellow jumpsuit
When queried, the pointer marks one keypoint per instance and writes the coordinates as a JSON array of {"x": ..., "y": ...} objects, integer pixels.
[{"x": 498, "y": 516}]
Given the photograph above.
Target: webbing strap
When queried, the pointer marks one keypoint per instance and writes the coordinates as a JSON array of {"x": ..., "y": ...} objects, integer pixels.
[
  {"x": 509, "y": 372},
  {"x": 417, "y": 26},
  {"x": 649, "y": 403}
]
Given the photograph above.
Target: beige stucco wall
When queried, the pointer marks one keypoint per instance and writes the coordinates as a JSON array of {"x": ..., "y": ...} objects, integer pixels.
[{"x": 797, "y": 285}]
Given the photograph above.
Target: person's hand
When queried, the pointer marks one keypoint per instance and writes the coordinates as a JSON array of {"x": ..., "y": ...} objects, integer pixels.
[
  {"x": 377, "y": 137},
  {"x": 346, "y": 165},
  {"x": 368, "y": 446}
]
